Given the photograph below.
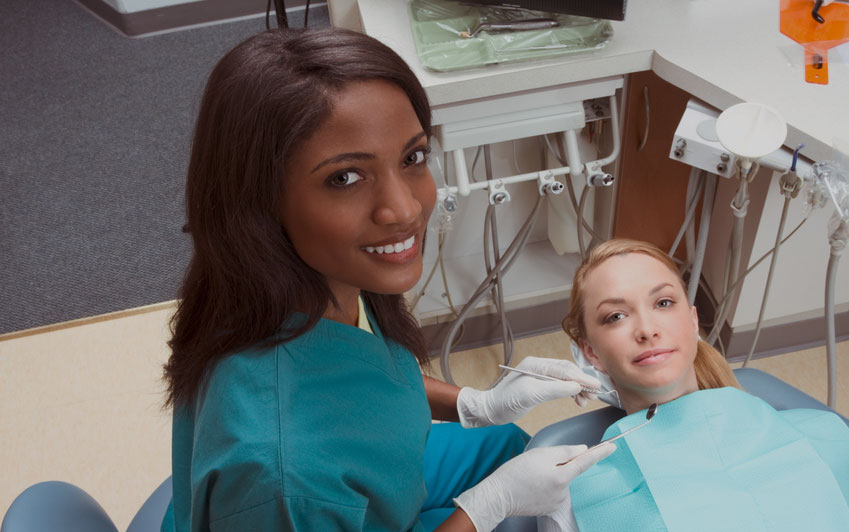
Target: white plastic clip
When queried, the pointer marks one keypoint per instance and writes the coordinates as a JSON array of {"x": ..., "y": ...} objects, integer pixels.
[{"x": 497, "y": 192}]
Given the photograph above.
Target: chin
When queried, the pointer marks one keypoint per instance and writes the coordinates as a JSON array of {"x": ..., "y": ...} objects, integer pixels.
[{"x": 395, "y": 288}]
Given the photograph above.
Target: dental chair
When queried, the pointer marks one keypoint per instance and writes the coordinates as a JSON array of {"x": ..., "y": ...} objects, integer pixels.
[
  {"x": 588, "y": 428},
  {"x": 56, "y": 506}
]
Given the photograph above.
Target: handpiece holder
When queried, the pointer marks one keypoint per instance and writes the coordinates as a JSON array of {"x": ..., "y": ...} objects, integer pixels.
[{"x": 546, "y": 179}]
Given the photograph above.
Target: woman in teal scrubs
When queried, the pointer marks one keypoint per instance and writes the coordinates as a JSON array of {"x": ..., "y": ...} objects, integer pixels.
[{"x": 299, "y": 402}]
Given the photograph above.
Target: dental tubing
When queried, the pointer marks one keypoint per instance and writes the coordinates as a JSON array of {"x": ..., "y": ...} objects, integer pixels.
[
  {"x": 739, "y": 207},
  {"x": 704, "y": 227},
  {"x": 501, "y": 265},
  {"x": 695, "y": 186},
  {"x": 831, "y": 343},
  {"x": 491, "y": 234},
  {"x": 830, "y": 180},
  {"x": 772, "y": 264}
]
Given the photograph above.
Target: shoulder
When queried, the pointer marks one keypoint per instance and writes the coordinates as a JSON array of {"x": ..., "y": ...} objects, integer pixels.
[{"x": 245, "y": 372}]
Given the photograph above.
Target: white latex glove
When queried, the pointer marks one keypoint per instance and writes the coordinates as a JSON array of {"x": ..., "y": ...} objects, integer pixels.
[
  {"x": 560, "y": 520},
  {"x": 517, "y": 393},
  {"x": 529, "y": 484}
]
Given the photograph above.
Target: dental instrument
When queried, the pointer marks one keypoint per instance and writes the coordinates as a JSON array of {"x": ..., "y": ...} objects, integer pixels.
[
  {"x": 550, "y": 378},
  {"x": 522, "y": 25},
  {"x": 650, "y": 413}
]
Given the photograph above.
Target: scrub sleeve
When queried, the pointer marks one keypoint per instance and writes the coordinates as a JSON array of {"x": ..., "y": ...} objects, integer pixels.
[{"x": 457, "y": 459}]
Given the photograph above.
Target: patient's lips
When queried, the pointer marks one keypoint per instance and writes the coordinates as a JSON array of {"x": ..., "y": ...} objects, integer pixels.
[{"x": 653, "y": 356}]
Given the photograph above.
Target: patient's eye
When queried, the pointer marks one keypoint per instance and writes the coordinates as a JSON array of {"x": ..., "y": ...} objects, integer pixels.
[
  {"x": 614, "y": 317},
  {"x": 665, "y": 303}
]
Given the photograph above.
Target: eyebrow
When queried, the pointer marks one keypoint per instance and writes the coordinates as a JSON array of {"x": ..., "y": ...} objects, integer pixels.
[
  {"x": 619, "y": 300},
  {"x": 360, "y": 156}
]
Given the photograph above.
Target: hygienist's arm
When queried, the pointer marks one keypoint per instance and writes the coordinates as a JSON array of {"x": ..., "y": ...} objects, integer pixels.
[
  {"x": 458, "y": 521},
  {"x": 442, "y": 398}
]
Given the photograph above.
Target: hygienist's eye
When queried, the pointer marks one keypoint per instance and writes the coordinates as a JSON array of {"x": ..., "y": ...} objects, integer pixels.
[
  {"x": 344, "y": 179},
  {"x": 417, "y": 157}
]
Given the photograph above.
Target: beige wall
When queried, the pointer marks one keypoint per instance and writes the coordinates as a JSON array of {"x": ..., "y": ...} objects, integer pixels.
[{"x": 83, "y": 405}]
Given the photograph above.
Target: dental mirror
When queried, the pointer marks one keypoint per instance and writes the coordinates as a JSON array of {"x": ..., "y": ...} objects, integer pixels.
[{"x": 649, "y": 415}]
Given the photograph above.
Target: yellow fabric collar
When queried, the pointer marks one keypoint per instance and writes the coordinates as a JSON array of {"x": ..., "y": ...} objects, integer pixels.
[{"x": 362, "y": 318}]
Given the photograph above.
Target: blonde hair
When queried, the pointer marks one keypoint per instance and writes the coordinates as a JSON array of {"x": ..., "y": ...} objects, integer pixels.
[{"x": 712, "y": 371}]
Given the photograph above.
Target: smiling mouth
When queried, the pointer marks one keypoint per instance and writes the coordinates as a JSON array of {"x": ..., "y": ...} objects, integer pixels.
[
  {"x": 649, "y": 355},
  {"x": 387, "y": 249}
]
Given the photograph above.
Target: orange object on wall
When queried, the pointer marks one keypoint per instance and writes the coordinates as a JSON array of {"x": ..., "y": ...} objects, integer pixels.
[{"x": 798, "y": 23}]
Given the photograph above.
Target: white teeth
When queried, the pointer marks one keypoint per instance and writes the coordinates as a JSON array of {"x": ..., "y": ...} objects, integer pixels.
[{"x": 392, "y": 248}]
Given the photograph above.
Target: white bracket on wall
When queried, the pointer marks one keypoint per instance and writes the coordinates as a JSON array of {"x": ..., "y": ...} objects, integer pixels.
[
  {"x": 695, "y": 143},
  {"x": 517, "y": 116}
]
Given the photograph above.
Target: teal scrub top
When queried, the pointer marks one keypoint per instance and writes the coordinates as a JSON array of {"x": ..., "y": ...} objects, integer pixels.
[{"x": 324, "y": 432}]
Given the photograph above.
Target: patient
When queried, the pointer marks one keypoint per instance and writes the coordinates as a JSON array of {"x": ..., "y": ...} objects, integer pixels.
[{"x": 714, "y": 457}]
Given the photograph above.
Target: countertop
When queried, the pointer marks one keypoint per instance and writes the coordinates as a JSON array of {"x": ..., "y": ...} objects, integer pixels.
[{"x": 720, "y": 51}]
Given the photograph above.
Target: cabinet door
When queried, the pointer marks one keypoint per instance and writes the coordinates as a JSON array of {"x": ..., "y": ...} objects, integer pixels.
[{"x": 652, "y": 187}]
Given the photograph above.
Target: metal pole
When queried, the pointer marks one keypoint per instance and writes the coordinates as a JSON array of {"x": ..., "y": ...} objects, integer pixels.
[{"x": 280, "y": 11}]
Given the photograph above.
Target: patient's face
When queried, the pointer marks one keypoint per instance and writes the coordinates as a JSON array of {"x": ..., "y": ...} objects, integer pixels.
[{"x": 640, "y": 329}]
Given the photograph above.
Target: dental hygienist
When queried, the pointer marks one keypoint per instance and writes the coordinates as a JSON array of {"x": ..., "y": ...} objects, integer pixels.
[{"x": 299, "y": 402}]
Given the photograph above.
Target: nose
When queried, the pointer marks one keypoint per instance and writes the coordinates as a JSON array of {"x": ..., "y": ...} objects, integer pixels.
[
  {"x": 396, "y": 201},
  {"x": 644, "y": 327}
]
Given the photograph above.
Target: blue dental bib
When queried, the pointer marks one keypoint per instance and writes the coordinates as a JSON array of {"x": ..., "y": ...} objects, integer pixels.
[{"x": 720, "y": 460}]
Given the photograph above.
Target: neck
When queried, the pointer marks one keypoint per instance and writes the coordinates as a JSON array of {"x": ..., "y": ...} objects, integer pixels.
[
  {"x": 636, "y": 400},
  {"x": 348, "y": 310}
]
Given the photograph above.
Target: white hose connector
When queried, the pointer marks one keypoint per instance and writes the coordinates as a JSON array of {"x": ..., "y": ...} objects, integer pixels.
[
  {"x": 600, "y": 180},
  {"x": 548, "y": 185}
]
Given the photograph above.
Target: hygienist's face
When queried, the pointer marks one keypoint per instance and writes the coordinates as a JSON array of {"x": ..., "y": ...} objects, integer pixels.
[
  {"x": 640, "y": 329},
  {"x": 358, "y": 193}
]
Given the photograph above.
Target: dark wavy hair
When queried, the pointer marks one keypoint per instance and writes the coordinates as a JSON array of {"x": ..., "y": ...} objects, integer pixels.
[{"x": 245, "y": 279}]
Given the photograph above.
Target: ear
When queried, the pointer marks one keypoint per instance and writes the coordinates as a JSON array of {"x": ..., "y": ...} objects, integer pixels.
[
  {"x": 591, "y": 356},
  {"x": 695, "y": 314}
]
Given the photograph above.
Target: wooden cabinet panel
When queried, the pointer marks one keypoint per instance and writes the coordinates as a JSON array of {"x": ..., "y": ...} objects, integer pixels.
[{"x": 652, "y": 187}]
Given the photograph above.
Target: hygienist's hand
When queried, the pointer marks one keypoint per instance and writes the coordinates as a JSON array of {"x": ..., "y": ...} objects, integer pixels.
[
  {"x": 561, "y": 520},
  {"x": 529, "y": 484},
  {"x": 517, "y": 393}
]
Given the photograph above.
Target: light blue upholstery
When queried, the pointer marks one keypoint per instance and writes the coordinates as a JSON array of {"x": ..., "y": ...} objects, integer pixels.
[
  {"x": 56, "y": 506},
  {"x": 149, "y": 516},
  {"x": 588, "y": 428}
]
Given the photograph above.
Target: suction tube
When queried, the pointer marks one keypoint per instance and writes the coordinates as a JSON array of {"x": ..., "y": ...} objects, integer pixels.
[
  {"x": 831, "y": 343},
  {"x": 838, "y": 239}
]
